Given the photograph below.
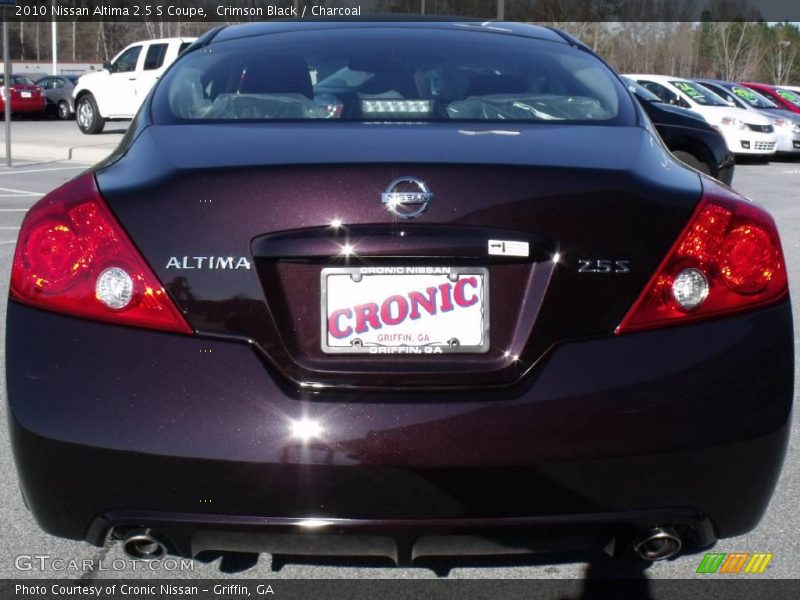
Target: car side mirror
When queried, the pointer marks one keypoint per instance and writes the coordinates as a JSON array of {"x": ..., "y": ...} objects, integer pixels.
[{"x": 108, "y": 67}]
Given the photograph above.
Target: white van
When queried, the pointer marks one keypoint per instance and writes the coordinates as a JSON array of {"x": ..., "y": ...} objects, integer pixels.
[
  {"x": 745, "y": 132},
  {"x": 119, "y": 89}
]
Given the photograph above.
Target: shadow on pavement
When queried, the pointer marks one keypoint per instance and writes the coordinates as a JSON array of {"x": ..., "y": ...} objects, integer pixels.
[{"x": 600, "y": 568}]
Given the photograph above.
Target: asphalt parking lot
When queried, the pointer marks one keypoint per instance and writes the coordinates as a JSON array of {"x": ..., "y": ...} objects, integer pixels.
[{"x": 776, "y": 186}]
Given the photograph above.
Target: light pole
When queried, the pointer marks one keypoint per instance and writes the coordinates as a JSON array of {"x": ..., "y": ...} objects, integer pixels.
[
  {"x": 54, "y": 42},
  {"x": 7, "y": 85}
]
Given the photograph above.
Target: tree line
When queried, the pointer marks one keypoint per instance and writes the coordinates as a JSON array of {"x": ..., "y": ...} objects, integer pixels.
[{"x": 733, "y": 50}]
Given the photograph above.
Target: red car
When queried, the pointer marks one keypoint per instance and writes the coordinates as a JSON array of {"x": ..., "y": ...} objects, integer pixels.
[
  {"x": 785, "y": 98},
  {"x": 26, "y": 96}
]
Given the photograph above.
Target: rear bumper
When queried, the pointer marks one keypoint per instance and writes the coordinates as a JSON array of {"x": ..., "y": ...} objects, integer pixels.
[
  {"x": 26, "y": 106},
  {"x": 402, "y": 541},
  {"x": 115, "y": 426}
]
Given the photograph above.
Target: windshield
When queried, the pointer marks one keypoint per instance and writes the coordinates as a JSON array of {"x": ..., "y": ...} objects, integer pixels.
[
  {"x": 639, "y": 90},
  {"x": 389, "y": 74},
  {"x": 18, "y": 79},
  {"x": 699, "y": 94},
  {"x": 789, "y": 96},
  {"x": 752, "y": 97}
]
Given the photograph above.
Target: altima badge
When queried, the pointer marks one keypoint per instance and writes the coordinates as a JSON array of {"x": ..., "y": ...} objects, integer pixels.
[
  {"x": 208, "y": 262},
  {"x": 407, "y": 197}
]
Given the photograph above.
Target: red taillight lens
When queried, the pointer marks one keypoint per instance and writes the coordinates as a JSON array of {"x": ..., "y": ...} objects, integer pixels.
[
  {"x": 70, "y": 239},
  {"x": 736, "y": 249}
]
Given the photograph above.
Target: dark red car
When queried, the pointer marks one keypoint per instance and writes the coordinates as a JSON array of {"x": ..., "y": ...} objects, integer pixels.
[
  {"x": 26, "y": 96},
  {"x": 785, "y": 98},
  {"x": 399, "y": 289}
]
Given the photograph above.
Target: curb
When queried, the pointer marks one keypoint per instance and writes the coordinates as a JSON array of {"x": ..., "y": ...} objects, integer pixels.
[{"x": 82, "y": 154}]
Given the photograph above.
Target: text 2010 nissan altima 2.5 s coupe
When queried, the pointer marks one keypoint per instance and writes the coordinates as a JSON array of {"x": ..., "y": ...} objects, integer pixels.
[{"x": 397, "y": 289}]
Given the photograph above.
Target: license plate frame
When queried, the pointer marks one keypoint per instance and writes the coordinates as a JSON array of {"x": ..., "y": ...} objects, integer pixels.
[{"x": 479, "y": 328}]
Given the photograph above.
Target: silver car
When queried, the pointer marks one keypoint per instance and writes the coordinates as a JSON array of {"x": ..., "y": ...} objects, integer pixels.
[
  {"x": 58, "y": 89},
  {"x": 786, "y": 123}
]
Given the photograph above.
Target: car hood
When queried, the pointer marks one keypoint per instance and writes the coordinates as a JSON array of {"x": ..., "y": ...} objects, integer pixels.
[
  {"x": 777, "y": 113},
  {"x": 88, "y": 78},
  {"x": 716, "y": 113}
]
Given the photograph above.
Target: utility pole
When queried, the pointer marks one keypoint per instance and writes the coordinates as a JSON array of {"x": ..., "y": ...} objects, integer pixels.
[
  {"x": 7, "y": 85},
  {"x": 54, "y": 42},
  {"x": 501, "y": 10}
]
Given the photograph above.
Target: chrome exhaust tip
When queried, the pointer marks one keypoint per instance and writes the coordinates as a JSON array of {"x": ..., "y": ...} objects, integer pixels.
[
  {"x": 144, "y": 544},
  {"x": 658, "y": 543}
]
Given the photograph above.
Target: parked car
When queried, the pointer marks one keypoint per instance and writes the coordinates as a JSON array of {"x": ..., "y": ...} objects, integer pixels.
[
  {"x": 687, "y": 135},
  {"x": 455, "y": 292},
  {"x": 118, "y": 90},
  {"x": 787, "y": 98},
  {"x": 785, "y": 123},
  {"x": 745, "y": 133},
  {"x": 58, "y": 90},
  {"x": 26, "y": 97}
]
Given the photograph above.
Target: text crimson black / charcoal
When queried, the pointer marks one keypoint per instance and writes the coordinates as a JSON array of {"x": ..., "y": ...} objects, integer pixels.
[{"x": 290, "y": 11}]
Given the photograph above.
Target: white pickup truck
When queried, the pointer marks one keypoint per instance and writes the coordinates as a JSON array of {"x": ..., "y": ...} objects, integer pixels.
[{"x": 119, "y": 89}]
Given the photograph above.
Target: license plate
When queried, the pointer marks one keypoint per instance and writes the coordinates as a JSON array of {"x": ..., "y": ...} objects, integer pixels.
[
  {"x": 405, "y": 310},
  {"x": 25, "y": 94}
]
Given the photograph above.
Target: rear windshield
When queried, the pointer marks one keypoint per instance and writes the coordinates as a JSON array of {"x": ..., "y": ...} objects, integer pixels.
[
  {"x": 752, "y": 97},
  {"x": 18, "y": 79},
  {"x": 698, "y": 93},
  {"x": 390, "y": 75}
]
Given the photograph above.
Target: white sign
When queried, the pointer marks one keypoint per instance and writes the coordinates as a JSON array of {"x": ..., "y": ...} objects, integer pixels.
[
  {"x": 405, "y": 310},
  {"x": 509, "y": 248}
]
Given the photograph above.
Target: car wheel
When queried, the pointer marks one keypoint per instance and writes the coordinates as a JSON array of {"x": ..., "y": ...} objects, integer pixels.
[
  {"x": 89, "y": 119},
  {"x": 63, "y": 110},
  {"x": 692, "y": 161}
]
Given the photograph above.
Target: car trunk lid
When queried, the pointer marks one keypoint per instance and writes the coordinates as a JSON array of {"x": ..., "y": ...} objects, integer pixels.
[{"x": 252, "y": 219}]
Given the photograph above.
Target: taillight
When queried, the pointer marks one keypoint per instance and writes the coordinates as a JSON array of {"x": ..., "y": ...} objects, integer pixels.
[
  {"x": 73, "y": 257},
  {"x": 727, "y": 259}
]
